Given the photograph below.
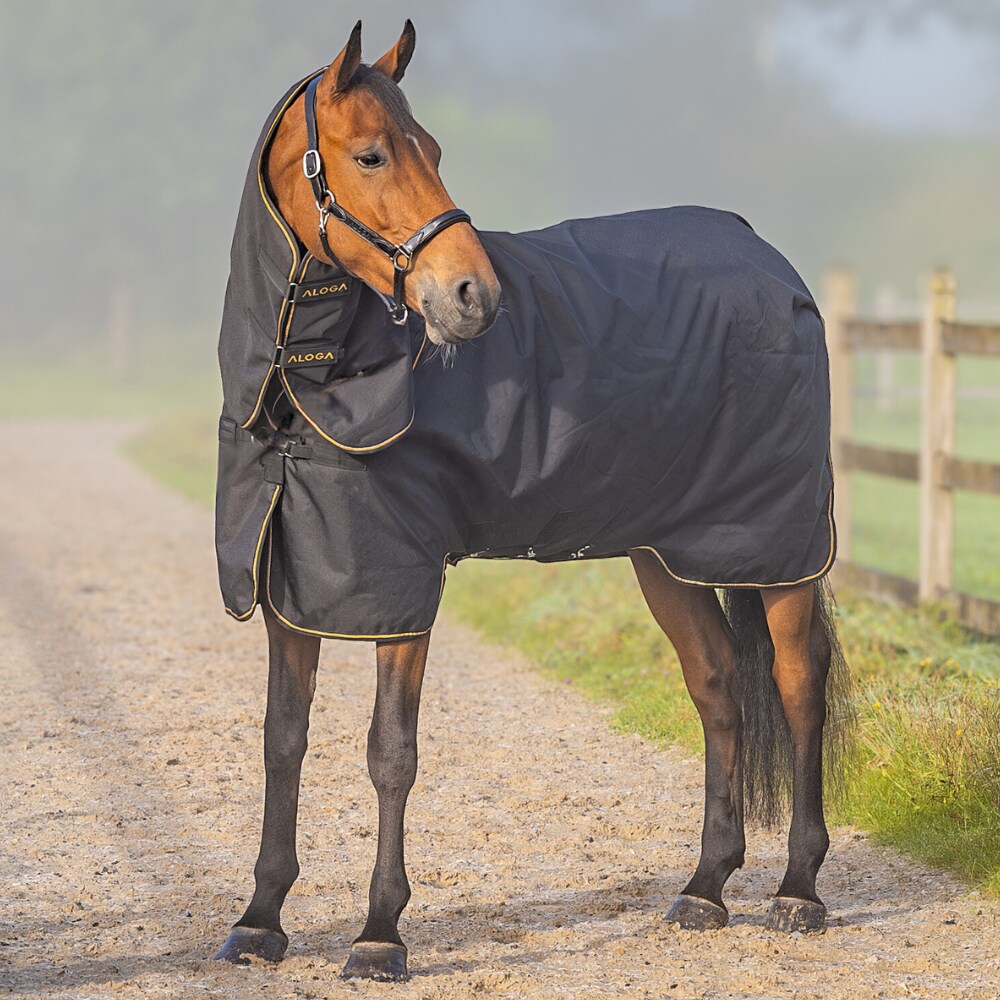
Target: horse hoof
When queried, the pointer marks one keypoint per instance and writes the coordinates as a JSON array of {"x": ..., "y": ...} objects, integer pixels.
[
  {"x": 789, "y": 915},
  {"x": 385, "y": 963},
  {"x": 695, "y": 914},
  {"x": 258, "y": 942}
]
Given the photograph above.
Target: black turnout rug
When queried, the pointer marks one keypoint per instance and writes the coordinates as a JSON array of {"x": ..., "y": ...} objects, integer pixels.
[{"x": 656, "y": 379}]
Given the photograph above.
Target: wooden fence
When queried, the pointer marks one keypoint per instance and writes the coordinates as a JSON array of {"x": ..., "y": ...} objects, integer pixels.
[{"x": 938, "y": 337}]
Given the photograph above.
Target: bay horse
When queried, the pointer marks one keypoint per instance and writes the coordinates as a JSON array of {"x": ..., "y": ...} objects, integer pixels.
[{"x": 346, "y": 176}]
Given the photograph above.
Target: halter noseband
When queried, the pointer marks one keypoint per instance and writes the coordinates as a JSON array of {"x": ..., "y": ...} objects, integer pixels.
[{"x": 400, "y": 254}]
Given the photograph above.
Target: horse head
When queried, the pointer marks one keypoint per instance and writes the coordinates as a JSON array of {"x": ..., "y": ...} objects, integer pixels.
[{"x": 380, "y": 169}]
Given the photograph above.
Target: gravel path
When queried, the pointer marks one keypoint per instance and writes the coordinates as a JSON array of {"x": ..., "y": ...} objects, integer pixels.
[{"x": 542, "y": 847}]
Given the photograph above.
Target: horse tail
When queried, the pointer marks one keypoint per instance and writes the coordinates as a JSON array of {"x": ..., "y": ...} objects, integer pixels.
[{"x": 767, "y": 741}]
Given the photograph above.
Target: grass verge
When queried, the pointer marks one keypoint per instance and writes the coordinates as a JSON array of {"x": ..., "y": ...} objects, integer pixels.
[{"x": 926, "y": 774}]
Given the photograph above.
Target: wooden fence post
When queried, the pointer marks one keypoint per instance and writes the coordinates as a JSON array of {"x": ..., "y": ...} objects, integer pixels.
[
  {"x": 840, "y": 303},
  {"x": 937, "y": 439}
]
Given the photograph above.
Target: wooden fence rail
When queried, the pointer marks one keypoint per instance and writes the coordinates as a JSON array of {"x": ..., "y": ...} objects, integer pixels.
[{"x": 938, "y": 337}]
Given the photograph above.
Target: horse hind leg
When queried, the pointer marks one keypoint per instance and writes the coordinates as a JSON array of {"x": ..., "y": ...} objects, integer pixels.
[
  {"x": 379, "y": 952},
  {"x": 802, "y": 657},
  {"x": 694, "y": 622},
  {"x": 290, "y": 686}
]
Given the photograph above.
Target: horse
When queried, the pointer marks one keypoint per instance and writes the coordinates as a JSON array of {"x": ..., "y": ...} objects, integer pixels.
[{"x": 341, "y": 188}]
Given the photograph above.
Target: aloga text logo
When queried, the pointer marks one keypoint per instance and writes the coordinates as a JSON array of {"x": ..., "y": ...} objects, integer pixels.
[
  {"x": 311, "y": 357},
  {"x": 334, "y": 288}
]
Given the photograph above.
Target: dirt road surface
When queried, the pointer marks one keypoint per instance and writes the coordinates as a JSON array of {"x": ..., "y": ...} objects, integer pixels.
[{"x": 542, "y": 847}]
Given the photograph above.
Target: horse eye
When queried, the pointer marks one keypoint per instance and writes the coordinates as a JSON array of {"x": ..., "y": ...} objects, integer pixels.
[{"x": 369, "y": 160}]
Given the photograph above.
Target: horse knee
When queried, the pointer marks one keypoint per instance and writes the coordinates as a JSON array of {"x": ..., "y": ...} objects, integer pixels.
[
  {"x": 801, "y": 664},
  {"x": 802, "y": 689},
  {"x": 392, "y": 761},
  {"x": 284, "y": 749}
]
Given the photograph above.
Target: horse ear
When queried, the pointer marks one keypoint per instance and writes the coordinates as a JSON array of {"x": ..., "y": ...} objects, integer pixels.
[
  {"x": 338, "y": 74},
  {"x": 395, "y": 61}
]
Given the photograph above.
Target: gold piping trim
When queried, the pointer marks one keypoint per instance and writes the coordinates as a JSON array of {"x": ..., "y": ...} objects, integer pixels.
[
  {"x": 301, "y": 409},
  {"x": 285, "y": 323},
  {"x": 334, "y": 635},
  {"x": 344, "y": 447},
  {"x": 423, "y": 344},
  {"x": 755, "y": 586},
  {"x": 285, "y": 333},
  {"x": 281, "y": 225},
  {"x": 256, "y": 557}
]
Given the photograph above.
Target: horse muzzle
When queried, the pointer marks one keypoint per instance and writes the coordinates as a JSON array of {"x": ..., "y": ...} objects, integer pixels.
[{"x": 460, "y": 311}]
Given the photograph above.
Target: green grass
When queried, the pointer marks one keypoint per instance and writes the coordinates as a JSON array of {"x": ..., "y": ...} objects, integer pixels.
[
  {"x": 181, "y": 452},
  {"x": 926, "y": 774},
  {"x": 928, "y": 777}
]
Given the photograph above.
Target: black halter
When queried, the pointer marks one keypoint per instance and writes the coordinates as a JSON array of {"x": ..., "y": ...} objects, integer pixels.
[{"x": 400, "y": 254}]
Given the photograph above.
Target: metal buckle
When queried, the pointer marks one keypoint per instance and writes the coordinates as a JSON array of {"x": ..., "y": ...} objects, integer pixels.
[
  {"x": 407, "y": 258},
  {"x": 312, "y": 163},
  {"x": 399, "y": 314}
]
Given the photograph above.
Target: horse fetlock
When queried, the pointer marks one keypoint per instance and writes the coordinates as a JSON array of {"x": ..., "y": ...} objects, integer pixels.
[
  {"x": 729, "y": 860},
  {"x": 807, "y": 847},
  {"x": 387, "y": 901},
  {"x": 273, "y": 878}
]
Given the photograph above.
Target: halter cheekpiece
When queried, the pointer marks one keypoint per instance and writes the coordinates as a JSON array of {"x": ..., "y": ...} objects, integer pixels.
[{"x": 401, "y": 254}]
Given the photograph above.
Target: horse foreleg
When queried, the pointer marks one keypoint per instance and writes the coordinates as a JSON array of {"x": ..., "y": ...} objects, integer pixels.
[
  {"x": 290, "y": 685},
  {"x": 693, "y": 621},
  {"x": 801, "y": 663},
  {"x": 379, "y": 952}
]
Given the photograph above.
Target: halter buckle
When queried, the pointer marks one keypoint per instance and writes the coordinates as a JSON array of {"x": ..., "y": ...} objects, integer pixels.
[
  {"x": 399, "y": 313},
  {"x": 312, "y": 164}
]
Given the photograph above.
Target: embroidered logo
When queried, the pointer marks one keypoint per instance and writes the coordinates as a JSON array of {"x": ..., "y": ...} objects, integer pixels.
[
  {"x": 340, "y": 287},
  {"x": 312, "y": 358}
]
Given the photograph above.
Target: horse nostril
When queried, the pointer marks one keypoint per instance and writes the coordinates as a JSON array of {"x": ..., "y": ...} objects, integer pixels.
[{"x": 470, "y": 296}]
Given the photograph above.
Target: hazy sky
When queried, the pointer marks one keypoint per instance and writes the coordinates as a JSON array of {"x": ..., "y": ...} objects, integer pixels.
[
  {"x": 931, "y": 76},
  {"x": 935, "y": 78}
]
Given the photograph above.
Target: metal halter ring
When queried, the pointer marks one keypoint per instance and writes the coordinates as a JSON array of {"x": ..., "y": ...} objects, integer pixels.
[
  {"x": 401, "y": 255},
  {"x": 325, "y": 209}
]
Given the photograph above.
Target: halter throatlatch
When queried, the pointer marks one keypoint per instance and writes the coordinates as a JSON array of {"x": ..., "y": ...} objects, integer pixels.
[{"x": 401, "y": 254}]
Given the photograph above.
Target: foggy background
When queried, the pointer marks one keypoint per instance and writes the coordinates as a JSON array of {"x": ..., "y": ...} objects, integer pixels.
[{"x": 843, "y": 131}]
